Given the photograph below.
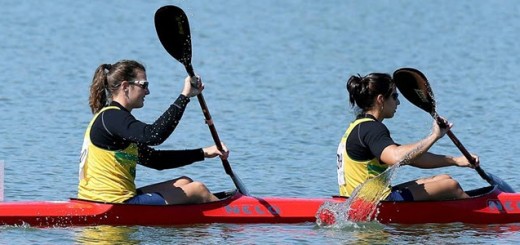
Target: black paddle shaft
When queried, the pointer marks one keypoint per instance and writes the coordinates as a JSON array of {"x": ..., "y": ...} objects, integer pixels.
[
  {"x": 414, "y": 86},
  {"x": 173, "y": 30}
]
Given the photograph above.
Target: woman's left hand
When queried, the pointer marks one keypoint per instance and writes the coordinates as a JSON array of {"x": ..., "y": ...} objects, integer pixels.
[
  {"x": 213, "y": 151},
  {"x": 193, "y": 86}
]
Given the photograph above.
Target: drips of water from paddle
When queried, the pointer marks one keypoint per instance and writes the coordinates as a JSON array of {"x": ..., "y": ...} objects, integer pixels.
[{"x": 362, "y": 204}]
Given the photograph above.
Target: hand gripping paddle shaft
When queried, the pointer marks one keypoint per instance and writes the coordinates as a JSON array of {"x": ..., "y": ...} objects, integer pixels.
[
  {"x": 173, "y": 30},
  {"x": 415, "y": 87}
]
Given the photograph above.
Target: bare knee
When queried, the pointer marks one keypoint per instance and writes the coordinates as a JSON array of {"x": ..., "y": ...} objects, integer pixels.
[
  {"x": 451, "y": 184},
  {"x": 443, "y": 177},
  {"x": 433, "y": 179},
  {"x": 197, "y": 192},
  {"x": 199, "y": 187},
  {"x": 184, "y": 180},
  {"x": 454, "y": 188}
]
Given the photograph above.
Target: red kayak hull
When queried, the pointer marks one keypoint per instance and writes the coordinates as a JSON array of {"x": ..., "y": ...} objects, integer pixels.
[
  {"x": 237, "y": 208},
  {"x": 490, "y": 207},
  {"x": 495, "y": 207}
]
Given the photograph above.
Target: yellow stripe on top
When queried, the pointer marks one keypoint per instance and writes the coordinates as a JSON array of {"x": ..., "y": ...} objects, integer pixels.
[
  {"x": 352, "y": 173},
  {"x": 106, "y": 175}
]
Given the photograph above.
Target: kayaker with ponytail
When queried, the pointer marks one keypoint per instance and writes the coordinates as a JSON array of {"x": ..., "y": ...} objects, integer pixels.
[
  {"x": 115, "y": 142},
  {"x": 366, "y": 149}
]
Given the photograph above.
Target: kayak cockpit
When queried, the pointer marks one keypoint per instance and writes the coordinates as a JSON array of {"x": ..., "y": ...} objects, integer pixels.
[
  {"x": 475, "y": 193},
  {"x": 222, "y": 196},
  {"x": 481, "y": 191}
]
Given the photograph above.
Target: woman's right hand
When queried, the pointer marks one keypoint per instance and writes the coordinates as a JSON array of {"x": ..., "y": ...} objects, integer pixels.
[
  {"x": 189, "y": 90},
  {"x": 439, "y": 131}
]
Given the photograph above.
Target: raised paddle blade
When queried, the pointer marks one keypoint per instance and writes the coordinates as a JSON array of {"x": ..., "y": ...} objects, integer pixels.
[
  {"x": 413, "y": 85},
  {"x": 173, "y": 30}
]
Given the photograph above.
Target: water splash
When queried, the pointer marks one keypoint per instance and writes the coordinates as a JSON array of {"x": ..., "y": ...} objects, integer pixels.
[{"x": 362, "y": 204}]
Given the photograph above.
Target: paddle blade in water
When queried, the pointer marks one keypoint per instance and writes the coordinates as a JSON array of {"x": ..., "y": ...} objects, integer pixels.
[
  {"x": 173, "y": 30},
  {"x": 501, "y": 184},
  {"x": 414, "y": 86}
]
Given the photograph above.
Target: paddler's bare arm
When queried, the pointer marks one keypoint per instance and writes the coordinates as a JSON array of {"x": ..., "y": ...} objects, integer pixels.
[
  {"x": 409, "y": 153},
  {"x": 431, "y": 160}
]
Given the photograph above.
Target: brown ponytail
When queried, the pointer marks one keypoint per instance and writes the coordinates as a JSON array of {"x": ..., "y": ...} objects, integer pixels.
[{"x": 107, "y": 79}]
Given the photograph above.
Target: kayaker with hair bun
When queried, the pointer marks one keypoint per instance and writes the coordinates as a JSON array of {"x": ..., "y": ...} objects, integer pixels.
[
  {"x": 367, "y": 149},
  {"x": 115, "y": 141}
]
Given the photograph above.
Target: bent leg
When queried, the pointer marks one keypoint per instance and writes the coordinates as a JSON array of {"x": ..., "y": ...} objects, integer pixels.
[
  {"x": 181, "y": 190},
  {"x": 184, "y": 180},
  {"x": 196, "y": 192},
  {"x": 422, "y": 181},
  {"x": 441, "y": 189},
  {"x": 434, "y": 178},
  {"x": 438, "y": 187}
]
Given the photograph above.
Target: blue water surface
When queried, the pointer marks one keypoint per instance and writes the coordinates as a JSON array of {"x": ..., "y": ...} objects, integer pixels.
[{"x": 275, "y": 74}]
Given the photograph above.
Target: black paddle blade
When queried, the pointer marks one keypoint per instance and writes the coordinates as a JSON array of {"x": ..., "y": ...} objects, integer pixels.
[
  {"x": 173, "y": 30},
  {"x": 414, "y": 86}
]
